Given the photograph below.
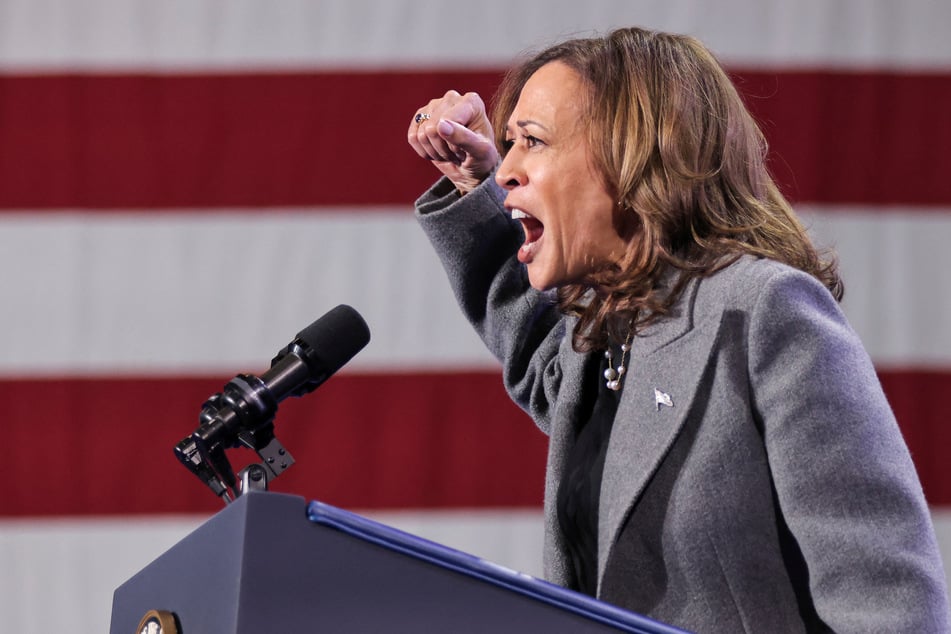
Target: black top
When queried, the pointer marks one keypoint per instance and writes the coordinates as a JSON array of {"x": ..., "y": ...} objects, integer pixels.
[{"x": 580, "y": 488}]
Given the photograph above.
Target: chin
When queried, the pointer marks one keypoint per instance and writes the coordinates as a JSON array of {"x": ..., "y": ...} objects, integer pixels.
[
  {"x": 536, "y": 283},
  {"x": 540, "y": 283}
]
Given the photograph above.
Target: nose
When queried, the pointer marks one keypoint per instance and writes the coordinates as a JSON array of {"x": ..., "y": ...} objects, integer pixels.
[{"x": 510, "y": 174}]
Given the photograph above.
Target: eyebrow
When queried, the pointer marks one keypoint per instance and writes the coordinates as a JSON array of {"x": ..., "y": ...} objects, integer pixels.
[{"x": 527, "y": 122}]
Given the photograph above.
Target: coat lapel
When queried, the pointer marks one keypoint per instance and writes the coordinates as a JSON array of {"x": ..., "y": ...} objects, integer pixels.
[{"x": 664, "y": 373}]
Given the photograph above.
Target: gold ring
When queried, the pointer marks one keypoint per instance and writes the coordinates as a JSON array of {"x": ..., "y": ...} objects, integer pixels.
[{"x": 422, "y": 116}]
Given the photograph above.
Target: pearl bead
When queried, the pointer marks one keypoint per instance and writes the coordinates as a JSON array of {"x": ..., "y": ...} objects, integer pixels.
[{"x": 613, "y": 375}]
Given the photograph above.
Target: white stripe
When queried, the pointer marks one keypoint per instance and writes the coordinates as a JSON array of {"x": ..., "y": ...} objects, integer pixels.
[
  {"x": 180, "y": 292},
  {"x": 60, "y": 573},
  {"x": 56, "y": 35},
  {"x": 219, "y": 293},
  {"x": 894, "y": 262}
]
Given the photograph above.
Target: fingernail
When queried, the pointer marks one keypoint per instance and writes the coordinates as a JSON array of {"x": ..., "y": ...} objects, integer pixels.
[{"x": 444, "y": 127}]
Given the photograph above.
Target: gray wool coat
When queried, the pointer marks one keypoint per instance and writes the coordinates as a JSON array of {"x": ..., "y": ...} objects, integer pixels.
[{"x": 755, "y": 480}]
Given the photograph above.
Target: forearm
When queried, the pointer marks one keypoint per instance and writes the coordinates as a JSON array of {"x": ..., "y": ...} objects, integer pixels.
[{"x": 476, "y": 241}]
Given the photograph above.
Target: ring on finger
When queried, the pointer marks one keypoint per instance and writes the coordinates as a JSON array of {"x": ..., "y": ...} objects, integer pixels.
[{"x": 420, "y": 117}]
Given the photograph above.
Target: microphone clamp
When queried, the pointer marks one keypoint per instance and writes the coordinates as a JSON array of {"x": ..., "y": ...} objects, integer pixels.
[{"x": 243, "y": 412}]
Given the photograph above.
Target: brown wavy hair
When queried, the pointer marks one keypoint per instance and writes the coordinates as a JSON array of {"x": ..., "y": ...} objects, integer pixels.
[{"x": 675, "y": 144}]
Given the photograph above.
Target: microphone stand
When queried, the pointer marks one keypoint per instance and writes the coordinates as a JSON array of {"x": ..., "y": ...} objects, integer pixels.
[
  {"x": 230, "y": 419},
  {"x": 243, "y": 412}
]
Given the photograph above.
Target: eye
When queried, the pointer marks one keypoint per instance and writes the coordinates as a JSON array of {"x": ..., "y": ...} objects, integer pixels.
[
  {"x": 531, "y": 141},
  {"x": 527, "y": 141}
]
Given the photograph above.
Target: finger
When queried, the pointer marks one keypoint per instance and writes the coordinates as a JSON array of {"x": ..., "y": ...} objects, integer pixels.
[
  {"x": 467, "y": 109},
  {"x": 446, "y": 132},
  {"x": 417, "y": 127},
  {"x": 416, "y": 139},
  {"x": 463, "y": 142},
  {"x": 431, "y": 144},
  {"x": 435, "y": 147}
]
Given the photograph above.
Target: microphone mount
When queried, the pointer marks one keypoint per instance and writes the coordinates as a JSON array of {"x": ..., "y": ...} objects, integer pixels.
[{"x": 242, "y": 414}]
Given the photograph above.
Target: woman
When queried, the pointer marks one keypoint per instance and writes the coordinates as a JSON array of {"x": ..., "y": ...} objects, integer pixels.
[{"x": 722, "y": 457}]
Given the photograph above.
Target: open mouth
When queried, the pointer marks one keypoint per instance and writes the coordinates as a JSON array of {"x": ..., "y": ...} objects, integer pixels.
[{"x": 533, "y": 232}]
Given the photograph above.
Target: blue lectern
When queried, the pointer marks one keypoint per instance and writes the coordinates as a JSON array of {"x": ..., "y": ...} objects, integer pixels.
[{"x": 271, "y": 562}]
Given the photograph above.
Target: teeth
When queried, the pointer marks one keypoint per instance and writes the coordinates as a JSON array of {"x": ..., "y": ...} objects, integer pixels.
[{"x": 518, "y": 214}]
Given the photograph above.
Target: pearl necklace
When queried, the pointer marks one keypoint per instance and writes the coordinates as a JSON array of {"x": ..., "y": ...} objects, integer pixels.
[{"x": 613, "y": 376}]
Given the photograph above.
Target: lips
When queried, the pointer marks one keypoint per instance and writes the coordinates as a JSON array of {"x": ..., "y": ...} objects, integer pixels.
[{"x": 533, "y": 232}]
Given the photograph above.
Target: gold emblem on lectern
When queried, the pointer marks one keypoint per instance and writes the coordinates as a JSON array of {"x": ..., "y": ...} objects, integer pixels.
[{"x": 157, "y": 622}]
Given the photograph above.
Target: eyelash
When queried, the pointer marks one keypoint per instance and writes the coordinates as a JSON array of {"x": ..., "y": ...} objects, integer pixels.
[{"x": 530, "y": 142}]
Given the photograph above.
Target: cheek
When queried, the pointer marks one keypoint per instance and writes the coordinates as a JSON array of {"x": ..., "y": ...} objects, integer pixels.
[
  {"x": 595, "y": 209},
  {"x": 586, "y": 189},
  {"x": 597, "y": 237},
  {"x": 581, "y": 206},
  {"x": 579, "y": 194}
]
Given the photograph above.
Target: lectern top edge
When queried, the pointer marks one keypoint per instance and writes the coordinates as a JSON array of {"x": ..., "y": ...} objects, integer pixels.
[{"x": 464, "y": 563}]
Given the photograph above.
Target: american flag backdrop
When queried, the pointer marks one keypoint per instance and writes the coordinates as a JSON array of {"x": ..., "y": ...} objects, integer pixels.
[{"x": 186, "y": 184}]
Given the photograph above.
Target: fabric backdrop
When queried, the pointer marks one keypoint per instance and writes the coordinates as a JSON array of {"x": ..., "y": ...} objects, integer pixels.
[{"x": 186, "y": 184}]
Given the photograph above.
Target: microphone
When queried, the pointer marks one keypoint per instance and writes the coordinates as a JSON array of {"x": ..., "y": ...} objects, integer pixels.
[{"x": 243, "y": 412}]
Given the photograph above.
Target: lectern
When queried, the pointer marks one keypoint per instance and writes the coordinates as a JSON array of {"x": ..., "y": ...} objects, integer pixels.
[{"x": 273, "y": 563}]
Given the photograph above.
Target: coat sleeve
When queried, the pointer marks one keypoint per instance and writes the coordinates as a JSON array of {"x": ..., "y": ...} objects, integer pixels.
[
  {"x": 843, "y": 476},
  {"x": 477, "y": 241}
]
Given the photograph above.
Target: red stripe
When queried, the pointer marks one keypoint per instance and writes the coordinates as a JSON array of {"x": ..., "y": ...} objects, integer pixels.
[
  {"x": 84, "y": 446},
  {"x": 922, "y": 403},
  {"x": 856, "y": 137},
  {"x": 115, "y": 142},
  {"x": 259, "y": 140}
]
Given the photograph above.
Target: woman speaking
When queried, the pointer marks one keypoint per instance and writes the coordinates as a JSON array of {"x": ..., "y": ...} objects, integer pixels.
[{"x": 721, "y": 456}]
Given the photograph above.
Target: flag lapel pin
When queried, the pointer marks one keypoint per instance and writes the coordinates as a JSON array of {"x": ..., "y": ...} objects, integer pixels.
[{"x": 662, "y": 398}]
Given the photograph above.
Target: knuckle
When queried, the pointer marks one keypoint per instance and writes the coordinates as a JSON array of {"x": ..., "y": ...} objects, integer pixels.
[{"x": 474, "y": 97}]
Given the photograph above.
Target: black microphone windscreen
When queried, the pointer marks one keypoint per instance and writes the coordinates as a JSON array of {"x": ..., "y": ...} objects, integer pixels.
[{"x": 336, "y": 337}]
